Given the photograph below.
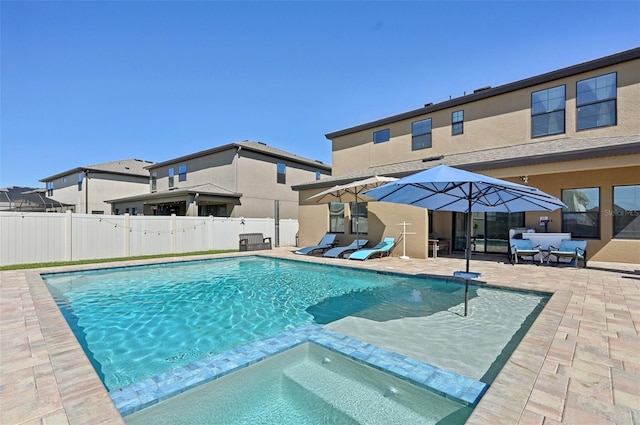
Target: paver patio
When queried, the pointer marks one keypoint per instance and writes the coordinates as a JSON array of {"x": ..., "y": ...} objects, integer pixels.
[{"x": 578, "y": 364}]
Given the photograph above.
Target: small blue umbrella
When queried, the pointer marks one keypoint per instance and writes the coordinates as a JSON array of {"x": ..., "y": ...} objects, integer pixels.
[{"x": 444, "y": 188}]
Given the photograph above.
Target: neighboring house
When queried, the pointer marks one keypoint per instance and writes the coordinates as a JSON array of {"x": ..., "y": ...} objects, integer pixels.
[
  {"x": 29, "y": 199},
  {"x": 573, "y": 133},
  {"x": 243, "y": 179},
  {"x": 88, "y": 187}
]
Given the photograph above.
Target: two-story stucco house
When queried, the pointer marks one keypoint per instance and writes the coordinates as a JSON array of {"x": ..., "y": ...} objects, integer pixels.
[
  {"x": 573, "y": 133},
  {"x": 244, "y": 179},
  {"x": 88, "y": 187}
]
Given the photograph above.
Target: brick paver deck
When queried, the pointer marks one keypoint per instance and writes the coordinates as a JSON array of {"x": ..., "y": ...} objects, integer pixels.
[{"x": 578, "y": 364}]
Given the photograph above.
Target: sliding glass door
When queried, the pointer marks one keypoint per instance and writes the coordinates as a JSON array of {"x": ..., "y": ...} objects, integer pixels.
[{"x": 489, "y": 231}]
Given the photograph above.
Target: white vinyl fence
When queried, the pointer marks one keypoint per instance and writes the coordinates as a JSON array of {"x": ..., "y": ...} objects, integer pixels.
[{"x": 47, "y": 237}]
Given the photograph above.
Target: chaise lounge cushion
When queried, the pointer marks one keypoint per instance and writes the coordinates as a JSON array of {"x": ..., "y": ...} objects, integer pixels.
[
  {"x": 382, "y": 249},
  {"x": 327, "y": 241},
  {"x": 339, "y": 251}
]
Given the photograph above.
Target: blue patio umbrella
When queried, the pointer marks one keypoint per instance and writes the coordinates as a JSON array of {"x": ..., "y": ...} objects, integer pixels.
[{"x": 444, "y": 188}]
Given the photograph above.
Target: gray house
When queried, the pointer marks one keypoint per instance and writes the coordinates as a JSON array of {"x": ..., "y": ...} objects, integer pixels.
[
  {"x": 243, "y": 179},
  {"x": 88, "y": 187}
]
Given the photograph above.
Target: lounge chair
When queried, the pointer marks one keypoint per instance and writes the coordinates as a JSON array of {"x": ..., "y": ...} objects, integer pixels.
[
  {"x": 524, "y": 248},
  {"x": 340, "y": 251},
  {"x": 383, "y": 249},
  {"x": 328, "y": 241},
  {"x": 576, "y": 250}
]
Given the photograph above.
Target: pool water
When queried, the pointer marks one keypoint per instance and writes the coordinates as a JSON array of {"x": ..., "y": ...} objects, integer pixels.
[
  {"x": 305, "y": 385},
  {"x": 137, "y": 322}
]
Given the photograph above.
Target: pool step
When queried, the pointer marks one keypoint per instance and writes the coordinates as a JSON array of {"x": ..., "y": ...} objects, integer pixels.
[{"x": 362, "y": 403}]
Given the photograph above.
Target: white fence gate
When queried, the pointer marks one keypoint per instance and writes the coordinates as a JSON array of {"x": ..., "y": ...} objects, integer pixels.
[{"x": 48, "y": 237}]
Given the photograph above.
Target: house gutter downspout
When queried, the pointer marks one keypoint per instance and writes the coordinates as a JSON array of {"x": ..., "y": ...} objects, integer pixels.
[
  {"x": 238, "y": 149},
  {"x": 86, "y": 191}
]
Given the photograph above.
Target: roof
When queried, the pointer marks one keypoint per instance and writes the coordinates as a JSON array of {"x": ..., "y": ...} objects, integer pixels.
[
  {"x": 130, "y": 167},
  {"x": 484, "y": 93},
  {"x": 248, "y": 145},
  {"x": 207, "y": 189},
  {"x": 20, "y": 198},
  {"x": 548, "y": 151}
]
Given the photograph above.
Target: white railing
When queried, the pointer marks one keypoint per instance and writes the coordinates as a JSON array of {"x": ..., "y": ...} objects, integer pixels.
[{"x": 49, "y": 237}]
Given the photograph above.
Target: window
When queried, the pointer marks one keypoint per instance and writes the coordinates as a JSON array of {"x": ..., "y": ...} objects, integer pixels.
[
  {"x": 80, "y": 177},
  {"x": 282, "y": 173},
  {"x": 49, "y": 188},
  {"x": 381, "y": 136},
  {"x": 182, "y": 173},
  {"x": 457, "y": 122},
  {"x": 547, "y": 111},
  {"x": 626, "y": 212},
  {"x": 336, "y": 217},
  {"x": 214, "y": 210},
  {"x": 596, "y": 101},
  {"x": 154, "y": 181},
  {"x": 318, "y": 175},
  {"x": 582, "y": 215},
  {"x": 359, "y": 217},
  {"x": 421, "y": 134},
  {"x": 172, "y": 173}
]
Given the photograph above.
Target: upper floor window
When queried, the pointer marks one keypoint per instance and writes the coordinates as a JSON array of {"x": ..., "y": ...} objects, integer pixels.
[
  {"x": 626, "y": 212},
  {"x": 457, "y": 122},
  {"x": 172, "y": 173},
  {"x": 582, "y": 215},
  {"x": 318, "y": 175},
  {"x": 49, "y": 188},
  {"x": 421, "y": 134},
  {"x": 548, "y": 111},
  {"x": 154, "y": 181},
  {"x": 282, "y": 173},
  {"x": 596, "y": 101},
  {"x": 381, "y": 136},
  {"x": 80, "y": 178},
  {"x": 182, "y": 173}
]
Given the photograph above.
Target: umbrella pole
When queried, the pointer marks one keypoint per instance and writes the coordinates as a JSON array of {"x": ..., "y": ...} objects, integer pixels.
[
  {"x": 357, "y": 224},
  {"x": 467, "y": 253}
]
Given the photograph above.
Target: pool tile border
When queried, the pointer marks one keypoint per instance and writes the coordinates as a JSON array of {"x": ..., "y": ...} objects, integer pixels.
[{"x": 148, "y": 392}]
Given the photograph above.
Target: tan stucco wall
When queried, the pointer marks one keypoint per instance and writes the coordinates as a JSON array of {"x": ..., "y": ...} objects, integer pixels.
[
  {"x": 505, "y": 120},
  {"x": 605, "y": 248},
  {"x": 384, "y": 217},
  {"x": 499, "y": 121}
]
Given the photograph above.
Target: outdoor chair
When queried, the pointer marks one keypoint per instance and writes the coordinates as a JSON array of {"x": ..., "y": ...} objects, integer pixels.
[
  {"x": 340, "y": 251},
  {"x": 437, "y": 244},
  {"x": 328, "y": 241},
  {"x": 383, "y": 249},
  {"x": 576, "y": 250},
  {"x": 253, "y": 242},
  {"x": 523, "y": 248}
]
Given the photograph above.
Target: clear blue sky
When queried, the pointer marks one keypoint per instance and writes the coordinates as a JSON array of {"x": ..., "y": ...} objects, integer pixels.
[{"x": 90, "y": 82}]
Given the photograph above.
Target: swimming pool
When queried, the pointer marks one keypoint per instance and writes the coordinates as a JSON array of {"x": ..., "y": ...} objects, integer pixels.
[{"x": 138, "y": 323}]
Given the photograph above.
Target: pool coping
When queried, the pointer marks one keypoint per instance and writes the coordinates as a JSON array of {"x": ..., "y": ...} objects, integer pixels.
[{"x": 150, "y": 391}]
